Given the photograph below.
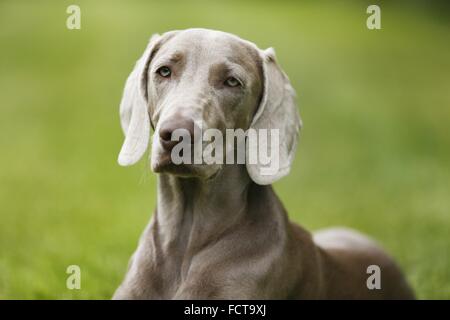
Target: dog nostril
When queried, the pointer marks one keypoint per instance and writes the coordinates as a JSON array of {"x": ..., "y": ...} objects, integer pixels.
[
  {"x": 165, "y": 134},
  {"x": 168, "y": 128}
]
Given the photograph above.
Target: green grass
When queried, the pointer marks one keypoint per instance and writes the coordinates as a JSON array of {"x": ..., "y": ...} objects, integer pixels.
[{"x": 374, "y": 152}]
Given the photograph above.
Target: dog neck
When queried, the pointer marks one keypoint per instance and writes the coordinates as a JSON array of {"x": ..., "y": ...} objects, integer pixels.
[{"x": 193, "y": 211}]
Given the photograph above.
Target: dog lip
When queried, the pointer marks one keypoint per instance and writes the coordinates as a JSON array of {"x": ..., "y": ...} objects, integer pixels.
[
  {"x": 177, "y": 170},
  {"x": 165, "y": 164},
  {"x": 162, "y": 162}
]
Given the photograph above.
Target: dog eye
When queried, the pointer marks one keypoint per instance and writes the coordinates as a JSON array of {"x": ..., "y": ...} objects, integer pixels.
[
  {"x": 164, "y": 72},
  {"x": 232, "y": 82}
]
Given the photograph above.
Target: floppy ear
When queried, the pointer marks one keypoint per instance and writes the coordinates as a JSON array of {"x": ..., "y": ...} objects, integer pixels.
[
  {"x": 277, "y": 110},
  {"x": 134, "y": 117}
]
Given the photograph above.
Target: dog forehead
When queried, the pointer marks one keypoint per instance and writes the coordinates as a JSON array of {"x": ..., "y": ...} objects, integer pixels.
[
  {"x": 205, "y": 38},
  {"x": 211, "y": 45}
]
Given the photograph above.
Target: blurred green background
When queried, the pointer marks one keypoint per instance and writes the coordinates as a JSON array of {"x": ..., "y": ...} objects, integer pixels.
[{"x": 374, "y": 151}]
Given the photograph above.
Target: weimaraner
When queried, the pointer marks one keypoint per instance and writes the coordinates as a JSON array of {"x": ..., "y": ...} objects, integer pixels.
[{"x": 220, "y": 231}]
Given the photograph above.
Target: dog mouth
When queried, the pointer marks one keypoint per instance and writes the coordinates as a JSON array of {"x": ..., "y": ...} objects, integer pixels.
[
  {"x": 167, "y": 166},
  {"x": 164, "y": 164}
]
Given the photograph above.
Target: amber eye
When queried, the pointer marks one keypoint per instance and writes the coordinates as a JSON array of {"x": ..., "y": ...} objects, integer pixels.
[
  {"x": 232, "y": 82},
  {"x": 164, "y": 72}
]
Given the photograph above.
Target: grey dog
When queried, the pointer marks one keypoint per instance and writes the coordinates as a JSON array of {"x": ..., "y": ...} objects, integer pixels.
[{"x": 220, "y": 231}]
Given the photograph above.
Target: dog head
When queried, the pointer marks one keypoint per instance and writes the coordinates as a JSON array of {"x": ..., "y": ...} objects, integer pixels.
[{"x": 187, "y": 82}]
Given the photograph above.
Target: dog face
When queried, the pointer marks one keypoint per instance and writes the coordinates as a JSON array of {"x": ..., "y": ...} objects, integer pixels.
[{"x": 200, "y": 79}]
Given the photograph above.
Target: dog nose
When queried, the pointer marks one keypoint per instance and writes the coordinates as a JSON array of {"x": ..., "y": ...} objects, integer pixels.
[{"x": 168, "y": 128}]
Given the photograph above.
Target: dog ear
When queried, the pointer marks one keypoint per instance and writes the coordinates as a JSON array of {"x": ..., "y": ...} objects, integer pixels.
[
  {"x": 277, "y": 110},
  {"x": 134, "y": 117}
]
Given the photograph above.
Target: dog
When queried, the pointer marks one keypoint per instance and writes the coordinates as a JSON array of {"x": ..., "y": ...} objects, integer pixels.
[{"x": 219, "y": 231}]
